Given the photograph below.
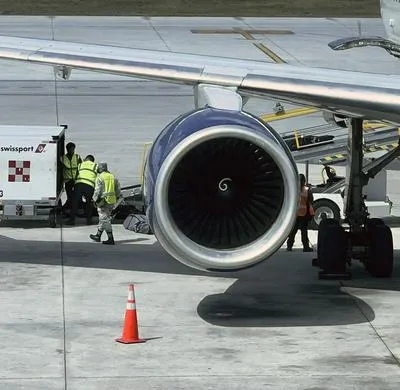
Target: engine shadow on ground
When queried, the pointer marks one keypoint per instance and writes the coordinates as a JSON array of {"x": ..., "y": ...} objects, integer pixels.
[{"x": 290, "y": 294}]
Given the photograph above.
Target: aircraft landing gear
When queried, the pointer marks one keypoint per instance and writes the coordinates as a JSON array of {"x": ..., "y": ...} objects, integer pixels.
[{"x": 361, "y": 238}]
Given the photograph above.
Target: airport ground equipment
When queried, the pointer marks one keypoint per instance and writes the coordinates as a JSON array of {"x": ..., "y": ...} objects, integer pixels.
[
  {"x": 31, "y": 172},
  {"x": 327, "y": 144},
  {"x": 130, "y": 203},
  {"x": 329, "y": 199},
  {"x": 335, "y": 150}
]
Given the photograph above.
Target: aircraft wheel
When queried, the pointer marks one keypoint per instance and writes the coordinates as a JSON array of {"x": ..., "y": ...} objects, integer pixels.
[
  {"x": 372, "y": 222},
  {"x": 322, "y": 234},
  {"x": 326, "y": 206},
  {"x": 332, "y": 247},
  {"x": 380, "y": 252}
]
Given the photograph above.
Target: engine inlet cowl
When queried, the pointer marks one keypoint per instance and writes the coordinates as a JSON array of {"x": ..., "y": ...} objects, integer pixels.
[{"x": 226, "y": 198}]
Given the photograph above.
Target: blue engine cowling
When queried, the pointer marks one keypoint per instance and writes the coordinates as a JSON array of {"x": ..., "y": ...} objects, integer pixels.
[{"x": 221, "y": 189}]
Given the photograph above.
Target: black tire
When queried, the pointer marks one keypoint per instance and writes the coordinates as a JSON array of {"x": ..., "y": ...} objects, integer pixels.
[
  {"x": 327, "y": 206},
  {"x": 380, "y": 254},
  {"x": 373, "y": 222},
  {"x": 52, "y": 218},
  {"x": 332, "y": 247},
  {"x": 322, "y": 231}
]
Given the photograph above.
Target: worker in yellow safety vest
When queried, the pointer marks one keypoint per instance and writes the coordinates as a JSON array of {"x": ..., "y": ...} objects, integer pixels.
[
  {"x": 70, "y": 162},
  {"x": 106, "y": 194},
  {"x": 84, "y": 188},
  {"x": 304, "y": 215}
]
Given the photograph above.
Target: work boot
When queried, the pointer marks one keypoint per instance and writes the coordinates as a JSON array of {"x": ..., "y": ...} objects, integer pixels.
[
  {"x": 110, "y": 240},
  {"x": 96, "y": 237},
  {"x": 308, "y": 249}
]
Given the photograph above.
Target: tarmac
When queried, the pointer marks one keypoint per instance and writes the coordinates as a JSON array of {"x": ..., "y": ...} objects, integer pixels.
[{"x": 274, "y": 326}]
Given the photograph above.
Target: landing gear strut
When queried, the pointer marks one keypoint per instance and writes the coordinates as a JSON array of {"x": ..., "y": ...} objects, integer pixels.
[{"x": 361, "y": 238}]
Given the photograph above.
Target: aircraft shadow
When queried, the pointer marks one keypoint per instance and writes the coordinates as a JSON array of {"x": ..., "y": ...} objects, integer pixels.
[
  {"x": 290, "y": 295},
  {"x": 140, "y": 256}
]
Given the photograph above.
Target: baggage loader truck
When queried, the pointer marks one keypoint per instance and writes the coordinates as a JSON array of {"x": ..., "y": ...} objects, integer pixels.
[
  {"x": 31, "y": 172},
  {"x": 329, "y": 199}
]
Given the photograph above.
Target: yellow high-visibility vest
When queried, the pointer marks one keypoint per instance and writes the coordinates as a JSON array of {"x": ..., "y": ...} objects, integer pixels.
[
  {"x": 87, "y": 173},
  {"x": 70, "y": 166},
  {"x": 109, "y": 188}
]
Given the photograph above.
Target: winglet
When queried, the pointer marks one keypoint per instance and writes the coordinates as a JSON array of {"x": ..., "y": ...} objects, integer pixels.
[{"x": 351, "y": 42}]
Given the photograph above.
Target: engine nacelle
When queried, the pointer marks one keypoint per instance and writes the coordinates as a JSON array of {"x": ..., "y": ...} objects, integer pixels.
[{"x": 221, "y": 190}]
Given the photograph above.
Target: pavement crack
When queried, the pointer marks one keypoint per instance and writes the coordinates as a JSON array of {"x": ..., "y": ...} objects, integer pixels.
[
  {"x": 159, "y": 35},
  {"x": 63, "y": 306},
  {"x": 394, "y": 357}
]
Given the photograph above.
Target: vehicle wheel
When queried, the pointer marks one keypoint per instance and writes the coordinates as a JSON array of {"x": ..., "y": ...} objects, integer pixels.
[
  {"x": 380, "y": 254},
  {"x": 326, "y": 206},
  {"x": 332, "y": 247},
  {"x": 52, "y": 218}
]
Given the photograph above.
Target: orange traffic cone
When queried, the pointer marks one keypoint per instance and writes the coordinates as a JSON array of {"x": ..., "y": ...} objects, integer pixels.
[{"x": 130, "y": 333}]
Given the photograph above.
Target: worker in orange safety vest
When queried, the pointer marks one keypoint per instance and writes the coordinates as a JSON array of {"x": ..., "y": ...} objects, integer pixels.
[{"x": 304, "y": 215}]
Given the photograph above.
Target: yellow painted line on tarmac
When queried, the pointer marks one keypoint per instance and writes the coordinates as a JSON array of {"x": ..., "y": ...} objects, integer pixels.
[
  {"x": 288, "y": 114},
  {"x": 274, "y": 57},
  {"x": 264, "y": 49},
  {"x": 247, "y": 36},
  {"x": 370, "y": 127}
]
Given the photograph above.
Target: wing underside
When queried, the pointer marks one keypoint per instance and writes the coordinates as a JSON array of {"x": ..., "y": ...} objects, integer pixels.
[{"x": 354, "y": 94}]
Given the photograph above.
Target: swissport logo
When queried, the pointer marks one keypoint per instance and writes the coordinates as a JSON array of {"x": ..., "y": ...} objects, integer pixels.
[
  {"x": 20, "y": 149},
  {"x": 40, "y": 148}
]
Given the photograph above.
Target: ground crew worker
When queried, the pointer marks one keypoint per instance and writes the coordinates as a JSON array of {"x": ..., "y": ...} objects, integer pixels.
[
  {"x": 332, "y": 175},
  {"x": 70, "y": 161},
  {"x": 304, "y": 214},
  {"x": 84, "y": 187},
  {"x": 106, "y": 194}
]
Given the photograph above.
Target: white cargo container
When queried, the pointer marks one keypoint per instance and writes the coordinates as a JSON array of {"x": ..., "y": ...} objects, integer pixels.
[{"x": 31, "y": 172}]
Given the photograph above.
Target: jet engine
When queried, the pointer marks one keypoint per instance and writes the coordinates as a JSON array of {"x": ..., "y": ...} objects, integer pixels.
[{"x": 221, "y": 189}]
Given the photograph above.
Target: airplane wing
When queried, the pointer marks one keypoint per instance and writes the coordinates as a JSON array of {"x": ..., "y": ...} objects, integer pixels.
[{"x": 353, "y": 94}]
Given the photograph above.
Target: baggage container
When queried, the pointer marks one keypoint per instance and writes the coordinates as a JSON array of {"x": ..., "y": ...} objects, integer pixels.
[{"x": 31, "y": 172}]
